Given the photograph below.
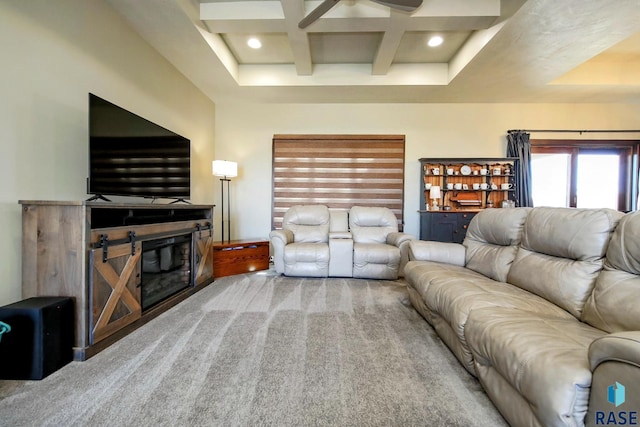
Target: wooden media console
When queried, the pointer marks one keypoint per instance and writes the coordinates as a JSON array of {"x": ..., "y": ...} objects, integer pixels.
[{"x": 123, "y": 264}]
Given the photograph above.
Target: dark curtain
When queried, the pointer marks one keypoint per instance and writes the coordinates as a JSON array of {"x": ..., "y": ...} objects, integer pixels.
[{"x": 519, "y": 146}]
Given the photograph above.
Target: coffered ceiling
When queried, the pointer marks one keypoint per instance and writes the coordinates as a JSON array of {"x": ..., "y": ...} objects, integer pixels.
[{"x": 362, "y": 51}]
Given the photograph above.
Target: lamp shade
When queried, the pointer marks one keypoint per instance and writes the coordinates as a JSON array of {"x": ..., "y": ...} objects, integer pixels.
[
  {"x": 224, "y": 168},
  {"x": 434, "y": 193}
]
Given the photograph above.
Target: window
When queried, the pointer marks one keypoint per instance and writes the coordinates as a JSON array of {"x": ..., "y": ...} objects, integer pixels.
[
  {"x": 338, "y": 171},
  {"x": 585, "y": 173}
]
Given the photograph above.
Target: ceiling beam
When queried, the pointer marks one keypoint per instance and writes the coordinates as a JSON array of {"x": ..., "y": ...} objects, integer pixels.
[
  {"x": 389, "y": 44},
  {"x": 343, "y": 75},
  {"x": 351, "y": 25},
  {"x": 294, "y": 12},
  {"x": 240, "y": 10},
  {"x": 254, "y": 26}
]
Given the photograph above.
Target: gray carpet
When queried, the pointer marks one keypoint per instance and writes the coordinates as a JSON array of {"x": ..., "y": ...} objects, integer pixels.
[{"x": 260, "y": 349}]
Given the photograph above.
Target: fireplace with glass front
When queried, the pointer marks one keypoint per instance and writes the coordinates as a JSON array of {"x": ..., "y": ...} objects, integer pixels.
[{"x": 166, "y": 269}]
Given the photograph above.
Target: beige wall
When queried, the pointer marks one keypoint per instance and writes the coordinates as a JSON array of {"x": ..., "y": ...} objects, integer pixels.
[
  {"x": 244, "y": 133},
  {"x": 53, "y": 54}
]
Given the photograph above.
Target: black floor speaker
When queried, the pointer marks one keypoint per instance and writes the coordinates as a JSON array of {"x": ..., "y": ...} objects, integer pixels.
[{"x": 41, "y": 337}]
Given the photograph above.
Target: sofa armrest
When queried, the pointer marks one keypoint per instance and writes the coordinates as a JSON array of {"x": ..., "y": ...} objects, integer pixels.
[
  {"x": 397, "y": 238},
  {"x": 401, "y": 240},
  {"x": 448, "y": 253},
  {"x": 283, "y": 237},
  {"x": 279, "y": 239},
  {"x": 340, "y": 254},
  {"x": 615, "y": 363},
  {"x": 620, "y": 346}
]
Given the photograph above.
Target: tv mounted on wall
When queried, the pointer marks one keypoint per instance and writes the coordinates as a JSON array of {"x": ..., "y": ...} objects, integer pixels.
[{"x": 131, "y": 156}]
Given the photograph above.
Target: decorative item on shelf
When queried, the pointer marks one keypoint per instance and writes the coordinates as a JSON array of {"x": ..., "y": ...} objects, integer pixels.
[
  {"x": 435, "y": 195},
  {"x": 226, "y": 170},
  {"x": 467, "y": 199},
  {"x": 465, "y": 170}
]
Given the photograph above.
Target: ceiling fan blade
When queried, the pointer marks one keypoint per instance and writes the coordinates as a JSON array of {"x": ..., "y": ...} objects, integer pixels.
[
  {"x": 317, "y": 13},
  {"x": 403, "y": 5}
]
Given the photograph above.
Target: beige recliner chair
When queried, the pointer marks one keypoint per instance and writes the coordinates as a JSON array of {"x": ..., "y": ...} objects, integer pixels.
[
  {"x": 301, "y": 247},
  {"x": 379, "y": 250}
]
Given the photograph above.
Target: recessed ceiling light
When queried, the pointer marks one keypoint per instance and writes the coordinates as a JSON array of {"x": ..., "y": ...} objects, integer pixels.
[
  {"x": 254, "y": 43},
  {"x": 435, "y": 41}
]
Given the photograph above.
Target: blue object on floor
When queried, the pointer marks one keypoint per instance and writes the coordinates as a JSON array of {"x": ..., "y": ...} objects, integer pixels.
[{"x": 4, "y": 328}]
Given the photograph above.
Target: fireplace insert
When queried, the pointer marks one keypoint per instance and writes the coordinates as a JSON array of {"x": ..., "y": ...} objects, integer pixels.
[{"x": 166, "y": 268}]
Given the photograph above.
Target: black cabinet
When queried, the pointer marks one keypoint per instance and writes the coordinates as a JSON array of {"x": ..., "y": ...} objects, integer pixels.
[{"x": 444, "y": 226}]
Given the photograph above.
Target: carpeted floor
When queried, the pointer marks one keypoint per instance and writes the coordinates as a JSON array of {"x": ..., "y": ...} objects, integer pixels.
[{"x": 260, "y": 349}]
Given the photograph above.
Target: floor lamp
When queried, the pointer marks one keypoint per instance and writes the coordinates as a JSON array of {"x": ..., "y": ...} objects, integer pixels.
[{"x": 226, "y": 170}]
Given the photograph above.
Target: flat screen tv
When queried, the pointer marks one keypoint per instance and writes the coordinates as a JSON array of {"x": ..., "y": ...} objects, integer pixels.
[{"x": 131, "y": 156}]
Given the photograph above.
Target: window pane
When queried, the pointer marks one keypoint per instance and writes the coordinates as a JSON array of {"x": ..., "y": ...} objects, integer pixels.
[
  {"x": 598, "y": 180},
  {"x": 550, "y": 176}
]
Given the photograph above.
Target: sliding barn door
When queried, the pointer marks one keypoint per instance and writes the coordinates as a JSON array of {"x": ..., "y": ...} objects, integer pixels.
[
  {"x": 338, "y": 171},
  {"x": 203, "y": 256},
  {"x": 115, "y": 292}
]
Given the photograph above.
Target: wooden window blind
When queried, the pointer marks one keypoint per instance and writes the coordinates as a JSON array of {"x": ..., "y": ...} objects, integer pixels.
[{"x": 338, "y": 171}]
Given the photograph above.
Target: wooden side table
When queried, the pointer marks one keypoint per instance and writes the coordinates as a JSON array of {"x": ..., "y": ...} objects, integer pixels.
[{"x": 240, "y": 256}]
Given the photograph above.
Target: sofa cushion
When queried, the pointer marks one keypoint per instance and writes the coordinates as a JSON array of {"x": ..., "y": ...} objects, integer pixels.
[
  {"x": 561, "y": 254},
  {"x": 306, "y": 259},
  {"x": 492, "y": 241},
  {"x": 309, "y": 223},
  {"x": 375, "y": 261},
  {"x": 376, "y": 254},
  {"x": 543, "y": 358},
  {"x": 371, "y": 224},
  {"x": 454, "y": 296},
  {"x": 420, "y": 274},
  {"x": 614, "y": 304}
]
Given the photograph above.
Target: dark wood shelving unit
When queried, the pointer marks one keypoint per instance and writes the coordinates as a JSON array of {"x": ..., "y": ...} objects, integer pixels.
[{"x": 467, "y": 186}]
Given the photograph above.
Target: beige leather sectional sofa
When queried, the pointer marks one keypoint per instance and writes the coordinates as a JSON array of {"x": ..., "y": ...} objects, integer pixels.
[
  {"x": 543, "y": 306},
  {"x": 316, "y": 241}
]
